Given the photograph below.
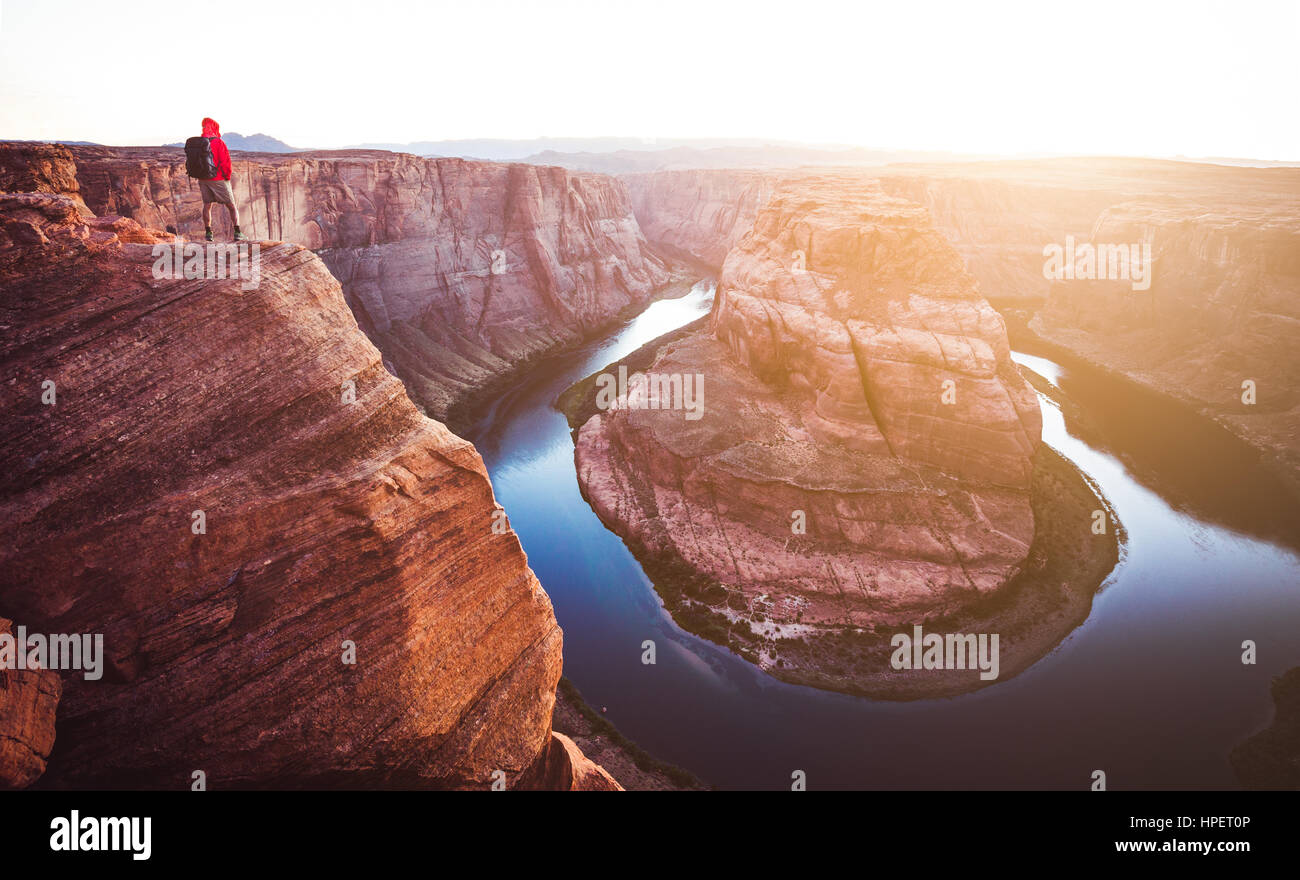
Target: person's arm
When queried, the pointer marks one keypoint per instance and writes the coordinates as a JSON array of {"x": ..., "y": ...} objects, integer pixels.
[{"x": 222, "y": 155}]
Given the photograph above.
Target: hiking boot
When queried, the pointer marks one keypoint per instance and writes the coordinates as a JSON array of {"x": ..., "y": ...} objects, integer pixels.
[
  {"x": 239, "y": 236},
  {"x": 207, "y": 236}
]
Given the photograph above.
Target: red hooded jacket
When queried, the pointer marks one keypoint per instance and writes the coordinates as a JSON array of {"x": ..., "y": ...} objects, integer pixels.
[{"x": 219, "y": 151}]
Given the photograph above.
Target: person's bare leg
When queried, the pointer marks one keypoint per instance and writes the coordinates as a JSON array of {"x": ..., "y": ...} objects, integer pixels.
[
  {"x": 207, "y": 215},
  {"x": 234, "y": 214}
]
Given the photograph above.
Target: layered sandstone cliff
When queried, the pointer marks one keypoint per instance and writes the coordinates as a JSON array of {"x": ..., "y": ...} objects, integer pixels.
[
  {"x": 1218, "y": 326},
  {"x": 999, "y": 225},
  {"x": 1223, "y": 304},
  {"x": 459, "y": 271},
  {"x": 29, "y": 699},
  {"x": 563, "y": 767},
  {"x": 295, "y": 573},
  {"x": 864, "y": 453},
  {"x": 699, "y": 214}
]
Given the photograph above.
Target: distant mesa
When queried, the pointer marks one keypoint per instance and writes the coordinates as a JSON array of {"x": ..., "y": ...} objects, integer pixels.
[{"x": 253, "y": 143}]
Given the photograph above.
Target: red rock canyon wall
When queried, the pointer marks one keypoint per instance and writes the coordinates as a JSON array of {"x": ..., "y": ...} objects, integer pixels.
[
  {"x": 325, "y": 520},
  {"x": 459, "y": 270}
]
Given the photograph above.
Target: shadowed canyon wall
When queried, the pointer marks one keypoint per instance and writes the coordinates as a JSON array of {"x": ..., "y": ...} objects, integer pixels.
[
  {"x": 699, "y": 214},
  {"x": 200, "y": 493}
]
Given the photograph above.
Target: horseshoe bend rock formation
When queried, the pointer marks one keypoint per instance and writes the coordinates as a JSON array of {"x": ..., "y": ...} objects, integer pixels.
[
  {"x": 855, "y": 379},
  {"x": 459, "y": 271},
  {"x": 182, "y": 475}
]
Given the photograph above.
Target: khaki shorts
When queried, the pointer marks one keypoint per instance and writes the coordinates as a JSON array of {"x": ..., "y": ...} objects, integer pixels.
[{"x": 218, "y": 191}]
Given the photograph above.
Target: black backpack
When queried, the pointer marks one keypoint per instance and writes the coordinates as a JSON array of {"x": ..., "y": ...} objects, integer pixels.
[{"x": 199, "y": 161}]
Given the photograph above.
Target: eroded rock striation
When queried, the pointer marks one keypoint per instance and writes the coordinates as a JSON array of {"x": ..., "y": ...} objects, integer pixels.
[
  {"x": 459, "y": 271},
  {"x": 183, "y": 474},
  {"x": 859, "y": 387},
  {"x": 29, "y": 699}
]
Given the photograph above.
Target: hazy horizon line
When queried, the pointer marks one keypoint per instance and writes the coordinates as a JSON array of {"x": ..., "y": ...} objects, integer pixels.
[{"x": 652, "y": 144}]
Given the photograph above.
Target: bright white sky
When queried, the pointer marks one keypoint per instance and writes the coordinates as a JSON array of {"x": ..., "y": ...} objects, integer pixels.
[{"x": 1195, "y": 77}]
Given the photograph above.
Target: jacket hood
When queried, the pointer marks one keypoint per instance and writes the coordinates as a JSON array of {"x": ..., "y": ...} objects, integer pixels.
[{"x": 210, "y": 128}]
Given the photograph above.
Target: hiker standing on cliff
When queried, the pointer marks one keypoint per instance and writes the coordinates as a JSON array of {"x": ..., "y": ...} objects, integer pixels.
[{"x": 208, "y": 161}]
